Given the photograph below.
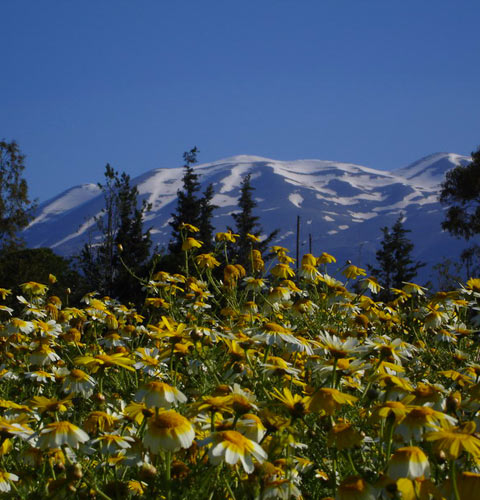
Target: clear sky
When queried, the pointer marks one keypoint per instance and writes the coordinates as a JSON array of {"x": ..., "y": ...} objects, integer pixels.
[{"x": 380, "y": 83}]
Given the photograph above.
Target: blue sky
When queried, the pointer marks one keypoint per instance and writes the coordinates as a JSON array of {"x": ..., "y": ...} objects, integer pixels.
[{"x": 378, "y": 83}]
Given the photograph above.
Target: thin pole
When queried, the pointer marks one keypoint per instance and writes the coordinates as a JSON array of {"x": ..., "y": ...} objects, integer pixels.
[{"x": 298, "y": 239}]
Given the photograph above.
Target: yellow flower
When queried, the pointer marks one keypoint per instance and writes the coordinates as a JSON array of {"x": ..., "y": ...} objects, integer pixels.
[
  {"x": 329, "y": 400},
  {"x": 355, "y": 488},
  {"x": 168, "y": 430},
  {"x": 106, "y": 361},
  {"x": 228, "y": 236},
  {"x": 34, "y": 288},
  {"x": 189, "y": 227},
  {"x": 5, "y": 479},
  {"x": 206, "y": 261},
  {"x": 282, "y": 271},
  {"x": 352, "y": 272},
  {"x": 455, "y": 440},
  {"x": 190, "y": 243},
  {"x": 410, "y": 462},
  {"x": 343, "y": 436},
  {"x": 252, "y": 237},
  {"x": 4, "y": 292},
  {"x": 296, "y": 405},
  {"x": 57, "y": 434},
  {"x": 160, "y": 395},
  {"x": 326, "y": 258},
  {"x": 233, "y": 446}
]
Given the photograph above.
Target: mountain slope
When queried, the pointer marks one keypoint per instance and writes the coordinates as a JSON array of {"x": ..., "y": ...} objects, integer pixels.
[{"x": 342, "y": 206}]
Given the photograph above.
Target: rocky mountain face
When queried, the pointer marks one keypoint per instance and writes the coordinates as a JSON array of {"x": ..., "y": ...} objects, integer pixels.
[{"x": 342, "y": 206}]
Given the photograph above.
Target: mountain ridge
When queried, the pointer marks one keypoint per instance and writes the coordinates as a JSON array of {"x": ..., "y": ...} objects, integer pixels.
[{"x": 342, "y": 205}]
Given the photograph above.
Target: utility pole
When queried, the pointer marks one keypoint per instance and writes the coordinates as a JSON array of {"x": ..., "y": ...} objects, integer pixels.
[{"x": 298, "y": 239}]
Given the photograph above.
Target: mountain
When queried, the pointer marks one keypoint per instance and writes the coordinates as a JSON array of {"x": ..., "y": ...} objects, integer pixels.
[{"x": 342, "y": 206}]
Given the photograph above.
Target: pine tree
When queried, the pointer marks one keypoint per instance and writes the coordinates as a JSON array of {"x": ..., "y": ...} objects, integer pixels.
[
  {"x": 15, "y": 205},
  {"x": 192, "y": 208},
  {"x": 188, "y": 202},
  {"x": 246, "y": 223},
  {"x": 112, "y": 265},
  {"x": 206, "y": 216},
  {"x": 395, "y": 264}
]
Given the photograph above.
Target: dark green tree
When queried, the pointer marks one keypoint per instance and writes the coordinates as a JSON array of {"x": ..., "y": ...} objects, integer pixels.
[
  {"x": 114, "y": 265},
  {"x": 15, "y": 205},
  {"x": 394, "y": 259},
  {"x": 461, "y": 192},
  {"x": 246, "y": 223},
  {"x": 18, "y": 266},
  {"x": 192, "y": 208},
  {"x": 206, "y": 216}
]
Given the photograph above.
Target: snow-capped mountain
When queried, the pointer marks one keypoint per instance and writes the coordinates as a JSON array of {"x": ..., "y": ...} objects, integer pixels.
[{"x": 342, "y": 206}]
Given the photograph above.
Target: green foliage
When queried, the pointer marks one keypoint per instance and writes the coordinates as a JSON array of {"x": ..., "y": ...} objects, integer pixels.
[
  {"x": 36, "y": 264},
  {"x": 461, "y": 191},
  {"x": 395, "y": 264},
  {"x": 114, "y": 265},
  {"x": 246, "y": 223},
  {"x": 15, "y": 205}
]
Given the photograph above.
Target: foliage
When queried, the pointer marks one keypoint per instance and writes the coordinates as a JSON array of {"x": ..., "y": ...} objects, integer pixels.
[
  {"x": 113, "y": 265},
  {"x": 461, "y": 192},
  {"x": 395, "y": 264},
  {"x": 248, "y": 387},
  {"x": 15, "y": 205},
  {"x": 44, "y": 266}
]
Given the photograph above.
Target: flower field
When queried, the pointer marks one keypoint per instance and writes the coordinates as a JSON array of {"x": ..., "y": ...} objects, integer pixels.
[{"x": 274, "y": 383}]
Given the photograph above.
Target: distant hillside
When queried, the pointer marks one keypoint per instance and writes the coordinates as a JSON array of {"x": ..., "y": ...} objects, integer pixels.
[{"x": 342, "y": 205}]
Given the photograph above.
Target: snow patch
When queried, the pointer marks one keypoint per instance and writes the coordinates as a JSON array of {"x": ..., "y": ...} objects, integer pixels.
[{"x": 296, "y": 199}]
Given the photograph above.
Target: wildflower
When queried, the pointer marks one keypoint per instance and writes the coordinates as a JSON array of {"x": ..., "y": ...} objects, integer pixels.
[
  {"x": 206, "y": 261},
  {"x": 227, "y": 237},
  {"x": 343, "y": 436},
  {"x": 79, "y": 382},
  {"x": 4, "y": 292},
  {"x": 326, "y": 258},
  {"x": 296, "y": 405},
  {"x": 420, "y": 418},
  {"x": 272, "y": 333},
  {"x": 111, "y": 443},
  {"x": 282, "y": 271},
  {"x": 352, "y": 272},
  {"x": 190, "y": 243},
  {"x": 5, "y": 479},
  {"x": 371, "y": 284},
  {"x": 56, "y": 434},
  {"x": 51, "y": 405},
  {"x": 233, "y": 446},
  {"x": 105, "y": 361},
  {"x": 254, "y": 284},
  {"x": 232, "y": 273},
  {"x": 188, "y": 227},
  {"x": 160, "y": 395},
  {"x": 168, "y": 430},
  {"x": 100, "y": 421},
  {"x": 410, "y": 462},
  {"x": 355, "y": 488},
  {"x": 34, "y": 288},
  {"x": 329, "y": 400},
  {"x": 413, "y": 289},
  {"x": 453, "y": 441},
  {"x": 251, "y": 427}
]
